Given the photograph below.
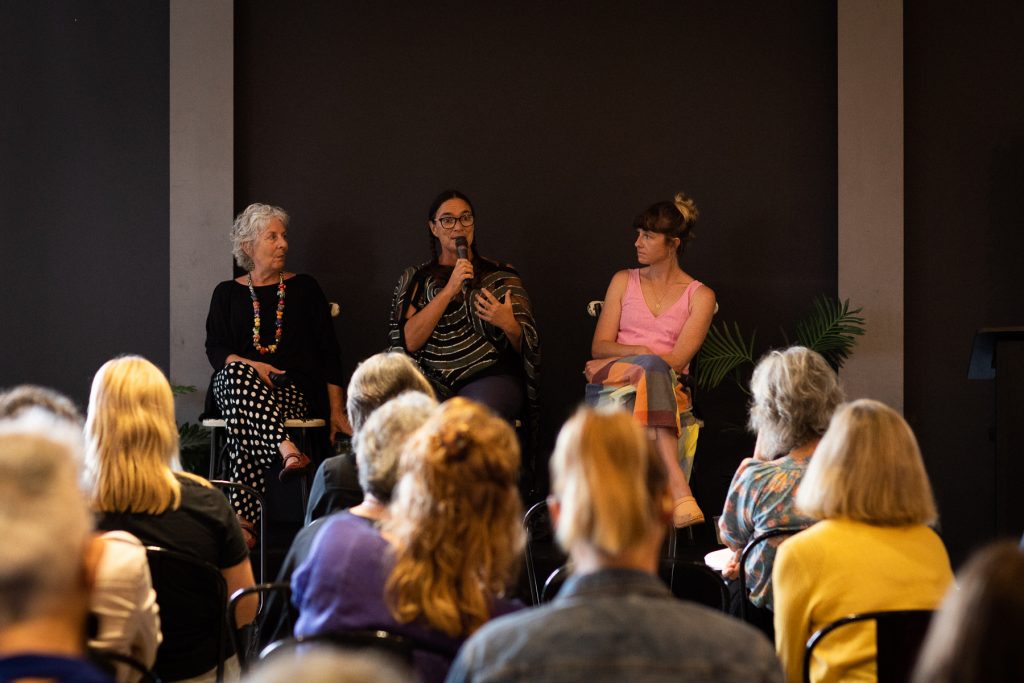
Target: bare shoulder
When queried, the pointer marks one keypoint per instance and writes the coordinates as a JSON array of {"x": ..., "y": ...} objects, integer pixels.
[{"x": 703, "y": 296}]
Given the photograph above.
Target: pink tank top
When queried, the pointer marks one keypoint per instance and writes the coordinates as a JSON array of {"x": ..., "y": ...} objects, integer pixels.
[{"x": 639, "y": 327}]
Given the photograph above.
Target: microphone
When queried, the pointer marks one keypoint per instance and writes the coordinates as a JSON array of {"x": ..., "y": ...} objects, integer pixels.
[{"x": 462, "y": 250}]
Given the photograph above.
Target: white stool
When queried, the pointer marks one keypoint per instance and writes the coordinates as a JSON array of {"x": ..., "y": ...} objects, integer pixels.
[{"x": 218, "y": 435}]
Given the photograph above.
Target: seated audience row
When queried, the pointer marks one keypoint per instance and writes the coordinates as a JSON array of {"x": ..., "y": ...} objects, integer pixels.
[{"x": 431, "y": 550}]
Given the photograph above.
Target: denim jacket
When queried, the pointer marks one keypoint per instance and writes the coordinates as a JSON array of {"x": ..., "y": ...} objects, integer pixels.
[{"x": 617, "y": 625}]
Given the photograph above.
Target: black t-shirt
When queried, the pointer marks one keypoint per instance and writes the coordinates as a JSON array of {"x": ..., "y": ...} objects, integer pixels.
[{"x": 204, "y": 526}]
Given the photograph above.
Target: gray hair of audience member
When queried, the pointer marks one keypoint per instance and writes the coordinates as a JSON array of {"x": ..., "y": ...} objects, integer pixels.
[
  {"x": 795, "y": 392},
  {"x": 17, "y": 400},
  {"x": 975, "y": 636},
  {"x": 379, "y": 444},
  {"x": 380, "y": 378},
  {"x": 44, "y": 518},
  {"x": 248, "y": 227},
  {"x": 322, "y": 664}
]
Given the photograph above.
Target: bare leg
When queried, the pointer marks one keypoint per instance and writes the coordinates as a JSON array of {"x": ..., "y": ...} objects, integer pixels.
[{"x": 686, "y": 510}]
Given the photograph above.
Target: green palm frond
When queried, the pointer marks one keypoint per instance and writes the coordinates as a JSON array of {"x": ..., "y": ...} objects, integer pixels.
[
  {"x": 831, "y": 329},
  {"x": 193, "y": 437},
  {"x": 724, "y": 351}
]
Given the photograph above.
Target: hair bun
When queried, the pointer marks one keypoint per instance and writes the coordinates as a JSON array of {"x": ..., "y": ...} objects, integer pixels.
[
  {"x": 455, "y": 442},
  {"x": 687, "y": 207}
]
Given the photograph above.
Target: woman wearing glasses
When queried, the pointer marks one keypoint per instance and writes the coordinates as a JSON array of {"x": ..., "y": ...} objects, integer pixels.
[{"x": 467, "y": 320}]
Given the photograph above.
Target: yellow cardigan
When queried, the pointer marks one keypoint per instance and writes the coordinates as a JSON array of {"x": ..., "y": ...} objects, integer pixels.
[{"x": 839, "y": 567}]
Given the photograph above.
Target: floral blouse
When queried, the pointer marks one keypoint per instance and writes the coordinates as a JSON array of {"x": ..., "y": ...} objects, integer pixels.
[{"x": 760, "y": 499}]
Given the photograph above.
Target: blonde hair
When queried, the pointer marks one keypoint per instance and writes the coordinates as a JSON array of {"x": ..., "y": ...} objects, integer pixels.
[
  {"x": 132, "y": 439},
  {"x": 795, "y": 392},
  {"x": 44, "y": 521},
  {"x": 868, "y": 468},
  {"x": 454, "y": 520},
  {"x": 609, "y": 482}
]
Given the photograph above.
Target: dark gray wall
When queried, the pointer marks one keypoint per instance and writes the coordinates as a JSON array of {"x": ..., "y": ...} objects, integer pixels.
[
  {"x": 964, "y": 203},
  {"x": 561, "y": 121},
  {"x": 83, "y": 188}
]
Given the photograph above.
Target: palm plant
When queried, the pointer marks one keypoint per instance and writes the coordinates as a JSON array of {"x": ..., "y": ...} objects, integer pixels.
[
  {"x": 831, "y": 329},
  {"x": 193, "y": 439}
]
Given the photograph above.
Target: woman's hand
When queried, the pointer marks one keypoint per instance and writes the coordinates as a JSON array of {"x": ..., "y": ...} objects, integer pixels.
[
  {"x": 731, "y": 570},
  {"x": 462, "y": 271},
  {"x": 499, "y": 314},
  {"x": 339, "y": 416},
  {"x": 340, "y": 423},
  {"x": 264, "y": 370}
]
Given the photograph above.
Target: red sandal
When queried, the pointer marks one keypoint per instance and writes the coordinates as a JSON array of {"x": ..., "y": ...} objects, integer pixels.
[{"x": 295, "y": 464}]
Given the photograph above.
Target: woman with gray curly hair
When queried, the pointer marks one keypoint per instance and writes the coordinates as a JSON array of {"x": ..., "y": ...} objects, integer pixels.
[
  {"x": 795, "y": 392},
  {"x": 268, "y": 368}
]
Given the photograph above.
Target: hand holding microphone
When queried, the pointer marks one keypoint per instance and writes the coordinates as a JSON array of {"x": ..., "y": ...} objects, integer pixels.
[{"x": 466, "y": 274}]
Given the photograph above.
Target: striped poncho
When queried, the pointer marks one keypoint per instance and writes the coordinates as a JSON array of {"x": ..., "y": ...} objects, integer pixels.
[{"x": 462, "y": 347}]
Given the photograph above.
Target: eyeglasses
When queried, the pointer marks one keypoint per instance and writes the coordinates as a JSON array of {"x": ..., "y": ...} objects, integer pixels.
[{"x": 448, "y": 222}]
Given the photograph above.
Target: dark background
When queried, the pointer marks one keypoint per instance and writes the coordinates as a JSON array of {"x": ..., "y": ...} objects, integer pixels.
[{"x": 560, "y": 123}]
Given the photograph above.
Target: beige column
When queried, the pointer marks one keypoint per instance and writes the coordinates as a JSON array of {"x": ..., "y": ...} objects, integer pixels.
[
  {"x": 202, "y": 180},
  {"x": 870, "y": 144}
]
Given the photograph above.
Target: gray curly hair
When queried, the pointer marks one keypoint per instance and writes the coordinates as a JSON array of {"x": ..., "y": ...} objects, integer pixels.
[
  {"x": 795, "y": 392},
  {"x": 248, "y": 227},
  {"x": 379, "y": 444}
]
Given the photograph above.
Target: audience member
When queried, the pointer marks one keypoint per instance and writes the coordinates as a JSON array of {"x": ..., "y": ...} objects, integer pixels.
[
  {"x": 871, "y": 551},
  {"x": 794, "y": 394},
  {"x": 976, "y": 634},
  {"x": 323, "y": 664},
  {"x": 16, "y": 400},
  {"x": 131, "y": 454},
  {"x": 377, "y": 380},
  {"x": 613, "y": 620},
  {"x": 446, "y": 550},
  {"x": 377, "y": 447},
  {"x": 45, "y": 571},
  {"x": 122, "y": 602}
]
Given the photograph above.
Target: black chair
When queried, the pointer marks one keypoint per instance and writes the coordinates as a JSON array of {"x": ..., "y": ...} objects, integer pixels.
[
  {"x": 245, "y": 640},
  {"x": 192, "y": 595},
  {"x": 898, "y": 638},
  {"x": 696, "y": 582},
  {"x": 261, "y": 548},
  {"x": 554, "y": 582},
  {"x": 540, "y": 537},
  {"x": 108, "y": 661},
  {"x": 751, "y": 544}
]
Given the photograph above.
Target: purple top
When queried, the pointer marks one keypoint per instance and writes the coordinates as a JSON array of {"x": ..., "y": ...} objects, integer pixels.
[{"x": 340, "y": 586}]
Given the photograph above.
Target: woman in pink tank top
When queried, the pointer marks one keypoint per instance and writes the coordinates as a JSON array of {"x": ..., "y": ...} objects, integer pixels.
[{"x": 653, "y": 322}]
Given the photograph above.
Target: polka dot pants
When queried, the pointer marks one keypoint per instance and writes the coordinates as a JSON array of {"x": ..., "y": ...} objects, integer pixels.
[{"x": 255, "y": 415}]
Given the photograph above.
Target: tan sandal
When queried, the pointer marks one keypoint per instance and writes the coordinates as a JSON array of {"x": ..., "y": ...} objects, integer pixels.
[{"x": 686, "y": 513}]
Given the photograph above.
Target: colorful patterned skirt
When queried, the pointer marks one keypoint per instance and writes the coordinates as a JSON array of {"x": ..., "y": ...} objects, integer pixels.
[{"x": 649, "y": 388}]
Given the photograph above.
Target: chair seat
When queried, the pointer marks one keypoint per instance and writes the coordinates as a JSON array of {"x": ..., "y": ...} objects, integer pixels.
[{"x": 289, "y": 424}]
